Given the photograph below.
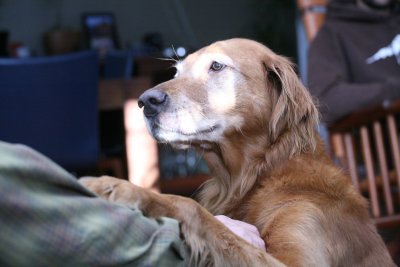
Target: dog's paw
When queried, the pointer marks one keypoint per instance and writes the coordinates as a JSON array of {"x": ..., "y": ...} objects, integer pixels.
[
  {"x": 116, "y": 190},
  {"x": 102, "y": 186}
]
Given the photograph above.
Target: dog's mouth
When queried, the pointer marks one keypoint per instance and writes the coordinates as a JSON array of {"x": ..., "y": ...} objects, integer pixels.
[
  {"x": 201, "y": 144},
  {"x": 194, "y": 133},
  {"x": 203, "y": 138}
]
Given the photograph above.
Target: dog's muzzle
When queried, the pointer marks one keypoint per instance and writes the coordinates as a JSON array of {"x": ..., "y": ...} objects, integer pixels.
[{"x": 154, "y": 101}]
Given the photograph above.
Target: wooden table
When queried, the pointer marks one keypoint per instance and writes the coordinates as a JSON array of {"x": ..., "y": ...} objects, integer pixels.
[
  {"x": 141, "y": 148},
  {"x": 113, "y": 94}
]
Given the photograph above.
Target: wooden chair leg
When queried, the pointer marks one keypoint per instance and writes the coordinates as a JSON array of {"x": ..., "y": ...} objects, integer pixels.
[{"x": 115, "y": 165}]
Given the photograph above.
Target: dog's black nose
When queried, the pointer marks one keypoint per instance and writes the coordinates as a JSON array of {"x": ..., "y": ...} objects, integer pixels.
[{"x": 153, "y": 101}]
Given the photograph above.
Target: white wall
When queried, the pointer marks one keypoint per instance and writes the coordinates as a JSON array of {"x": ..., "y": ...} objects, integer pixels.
[{"x": 190, "y": 23}]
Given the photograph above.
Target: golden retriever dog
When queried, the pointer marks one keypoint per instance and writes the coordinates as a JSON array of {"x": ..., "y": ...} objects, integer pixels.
[{"x": 244, "y": 108}]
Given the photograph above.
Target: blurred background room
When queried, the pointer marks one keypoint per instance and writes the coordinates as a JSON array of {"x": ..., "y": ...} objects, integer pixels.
[{"x": 71, "y": 72}]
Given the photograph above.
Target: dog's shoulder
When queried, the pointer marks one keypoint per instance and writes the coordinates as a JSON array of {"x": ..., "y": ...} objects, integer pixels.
[{"x": 312, "y": 182}]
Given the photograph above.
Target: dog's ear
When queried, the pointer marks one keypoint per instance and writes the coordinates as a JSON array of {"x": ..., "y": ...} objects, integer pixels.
[{"x": 293, "y": 108}]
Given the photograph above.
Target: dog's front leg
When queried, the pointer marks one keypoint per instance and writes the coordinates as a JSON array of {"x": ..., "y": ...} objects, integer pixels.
[{"x": 209, "y": 241}]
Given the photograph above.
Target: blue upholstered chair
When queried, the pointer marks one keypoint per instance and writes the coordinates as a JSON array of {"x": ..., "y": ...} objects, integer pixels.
[
  {"x": 118, "y": 64},
  {"x": 50, "y": 104}
]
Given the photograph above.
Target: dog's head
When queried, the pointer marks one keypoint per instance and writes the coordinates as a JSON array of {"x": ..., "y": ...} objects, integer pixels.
[{"x": 236, "y": 86}]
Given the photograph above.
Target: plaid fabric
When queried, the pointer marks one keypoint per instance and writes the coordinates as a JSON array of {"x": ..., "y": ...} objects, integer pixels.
[{"x": 48, "y": 219}]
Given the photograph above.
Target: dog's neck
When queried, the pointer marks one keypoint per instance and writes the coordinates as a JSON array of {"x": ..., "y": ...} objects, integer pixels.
[
  {"x": 239, "y": 163},
  {"x": 236, "y": 165}
]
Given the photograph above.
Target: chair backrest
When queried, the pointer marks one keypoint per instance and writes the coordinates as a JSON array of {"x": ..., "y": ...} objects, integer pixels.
[
  {"x": 366, "y": 144},
  {"x": 50, "y": 104},
  {"x": 118, "y": 64}
]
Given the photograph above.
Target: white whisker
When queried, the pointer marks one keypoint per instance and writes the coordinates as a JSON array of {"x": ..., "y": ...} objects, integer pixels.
[{"x": 173, "y": 49}]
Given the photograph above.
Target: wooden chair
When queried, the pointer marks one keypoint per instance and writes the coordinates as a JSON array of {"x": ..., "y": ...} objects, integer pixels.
[{"x": 366, "y": 144}]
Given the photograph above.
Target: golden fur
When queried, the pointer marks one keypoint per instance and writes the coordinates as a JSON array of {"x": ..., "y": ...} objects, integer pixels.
[{"x": 255, "y": 124}]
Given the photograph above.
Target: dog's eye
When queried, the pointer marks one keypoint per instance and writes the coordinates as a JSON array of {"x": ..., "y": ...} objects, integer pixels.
[{"x": 216, "y": 66}]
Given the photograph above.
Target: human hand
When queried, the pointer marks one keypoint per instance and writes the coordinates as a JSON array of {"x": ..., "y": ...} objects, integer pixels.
[{"x": 244, "y": 230}]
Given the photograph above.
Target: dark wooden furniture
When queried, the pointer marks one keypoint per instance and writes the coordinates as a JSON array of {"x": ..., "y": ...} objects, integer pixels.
[
  {"x": 185, "y": 186},
  {"x": 114, "y": 93},
  {"x": 366, "y": 144},
  {"x": 313, "y": 15}
]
